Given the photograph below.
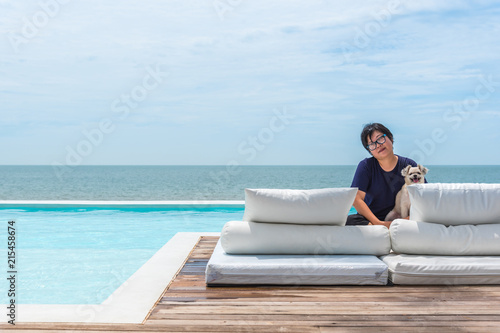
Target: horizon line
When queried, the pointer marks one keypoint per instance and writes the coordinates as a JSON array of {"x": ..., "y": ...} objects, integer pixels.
[{"x": 226, "y": 165}]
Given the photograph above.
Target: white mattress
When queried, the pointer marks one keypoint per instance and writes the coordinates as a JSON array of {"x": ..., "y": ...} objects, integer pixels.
[
  {"x": 223, "y": 268},
  {"x": 443, "y": 270}
]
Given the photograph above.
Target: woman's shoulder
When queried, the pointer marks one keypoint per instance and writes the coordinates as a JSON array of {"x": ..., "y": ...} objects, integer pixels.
[
  {"x": 367, "y": 163},
  {"x": 404, "y": 161}
]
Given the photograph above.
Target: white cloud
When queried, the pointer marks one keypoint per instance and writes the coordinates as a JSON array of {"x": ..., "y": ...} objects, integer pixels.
[{"x": 228, "y": 75}]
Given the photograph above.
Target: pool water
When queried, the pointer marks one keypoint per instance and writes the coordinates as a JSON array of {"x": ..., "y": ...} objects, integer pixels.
[
  {"x": 75, "y": 255},
  {"x": 82, "y": 255}
]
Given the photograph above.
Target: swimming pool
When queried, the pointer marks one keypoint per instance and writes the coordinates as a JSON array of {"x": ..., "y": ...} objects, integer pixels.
[{"x": 81, "y": 252}]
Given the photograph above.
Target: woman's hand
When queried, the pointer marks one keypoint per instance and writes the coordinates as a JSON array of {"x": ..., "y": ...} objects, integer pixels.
[
  {"x": 363, "y": 209},
  {"x": 384, "y": 223}
]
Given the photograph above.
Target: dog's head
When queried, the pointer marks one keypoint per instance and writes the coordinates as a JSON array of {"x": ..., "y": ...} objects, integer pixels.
[{"x": 414, "y": 175}]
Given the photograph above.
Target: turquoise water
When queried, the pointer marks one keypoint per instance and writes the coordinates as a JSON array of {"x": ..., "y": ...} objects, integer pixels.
[{"x": 80, "y": 256}]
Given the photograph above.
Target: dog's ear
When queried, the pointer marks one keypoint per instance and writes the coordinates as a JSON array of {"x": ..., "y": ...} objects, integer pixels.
[
  {"x": 423, "y": 169},
  {"x": 405, "y": 171}
]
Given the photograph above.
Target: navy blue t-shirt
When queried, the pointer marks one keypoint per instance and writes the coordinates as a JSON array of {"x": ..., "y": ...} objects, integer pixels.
[{"x": 381, "y": 187}]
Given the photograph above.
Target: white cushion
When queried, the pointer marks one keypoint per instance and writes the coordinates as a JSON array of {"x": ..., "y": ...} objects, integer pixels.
[
  {"x": 444, "y": 270},
  {"x": 223, "y": 268},
  {"x": 455, "y": 204},
  {"x": 412, "y": 237},
  {"x": 321, "y": 206},
  {"x": 242, "y": 237}
]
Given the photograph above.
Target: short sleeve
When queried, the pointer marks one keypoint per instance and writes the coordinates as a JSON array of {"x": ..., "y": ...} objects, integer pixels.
[
  {"x": 412, "y": 162},
  {"x": 361, "y": 178}
]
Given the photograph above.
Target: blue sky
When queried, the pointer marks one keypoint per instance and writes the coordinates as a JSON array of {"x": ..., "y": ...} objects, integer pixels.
[{"x": 247, "y": 82}]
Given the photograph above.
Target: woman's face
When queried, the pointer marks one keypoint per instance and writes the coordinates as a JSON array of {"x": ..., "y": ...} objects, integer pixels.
[{"x": 382, "y": 150}]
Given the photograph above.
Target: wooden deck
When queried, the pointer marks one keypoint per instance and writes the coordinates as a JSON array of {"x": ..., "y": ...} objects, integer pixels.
[{"x": 188, "y": 305}]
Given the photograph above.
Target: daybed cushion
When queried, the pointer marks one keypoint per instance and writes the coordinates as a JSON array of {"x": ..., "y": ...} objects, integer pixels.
[
  {"x": 443, "y": 270},
  {"x": 224, "y": 268},
  {"x": 320, "y": 206},
  {"x": 455, "y": 204},
  {"x": 241, "y": 237},
  {"x": 412, "y": 237}
]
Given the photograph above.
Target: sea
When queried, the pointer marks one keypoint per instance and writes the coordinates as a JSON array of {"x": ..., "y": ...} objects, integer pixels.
[{"x": 195, "y": 182}]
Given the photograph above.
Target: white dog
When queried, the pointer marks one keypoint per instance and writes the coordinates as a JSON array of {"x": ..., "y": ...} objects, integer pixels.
[{"x": 412, "y": 175}]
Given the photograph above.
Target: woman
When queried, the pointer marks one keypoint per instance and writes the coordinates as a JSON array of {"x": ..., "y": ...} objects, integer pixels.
[{"x": 377, "y": 178}]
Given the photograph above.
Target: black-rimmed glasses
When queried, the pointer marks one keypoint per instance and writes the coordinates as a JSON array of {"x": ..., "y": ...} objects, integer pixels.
[{"x": 380, "y": 141}]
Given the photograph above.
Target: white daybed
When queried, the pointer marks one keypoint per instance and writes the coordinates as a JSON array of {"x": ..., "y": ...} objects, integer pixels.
[
  {"x": 299, "y": 237},
  {"x": 453, "y": 236}
]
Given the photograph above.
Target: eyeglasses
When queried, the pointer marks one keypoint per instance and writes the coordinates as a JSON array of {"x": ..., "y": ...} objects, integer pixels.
[{"x": 380, "y": 141}]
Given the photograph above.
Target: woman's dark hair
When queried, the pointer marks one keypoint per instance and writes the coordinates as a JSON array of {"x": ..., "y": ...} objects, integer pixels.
[{"x": 368, "y": 131}]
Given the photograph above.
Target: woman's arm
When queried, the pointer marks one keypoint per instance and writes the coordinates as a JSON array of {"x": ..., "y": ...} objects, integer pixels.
[{"x": 363, "y": 209}]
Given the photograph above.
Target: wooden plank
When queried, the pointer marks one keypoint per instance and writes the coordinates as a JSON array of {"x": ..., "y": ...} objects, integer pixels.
[
  {"x": 173, "y": 328},
  {"x": 346, "y": 308},
  {"x": 382, "y": 322},
  {"x": 330, "y": 317},
  {"x": 257, "y": 296}
]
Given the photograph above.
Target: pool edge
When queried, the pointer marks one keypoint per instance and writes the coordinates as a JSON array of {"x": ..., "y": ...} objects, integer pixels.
[
  {"x": 120, "y": 204},
  {"x": 133, "y": 300}
]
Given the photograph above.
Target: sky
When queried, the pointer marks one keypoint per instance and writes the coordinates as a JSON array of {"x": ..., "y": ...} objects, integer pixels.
[{"x": 239, "y": 82}]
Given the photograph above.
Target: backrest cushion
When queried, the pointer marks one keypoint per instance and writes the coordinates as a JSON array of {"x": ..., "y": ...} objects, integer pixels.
[
  {"x": 320, "y": 206},
  {"x": 414, "y": 237},
  {"x": 455, "y": 204},
  {"x": 241, "y": 237}
]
